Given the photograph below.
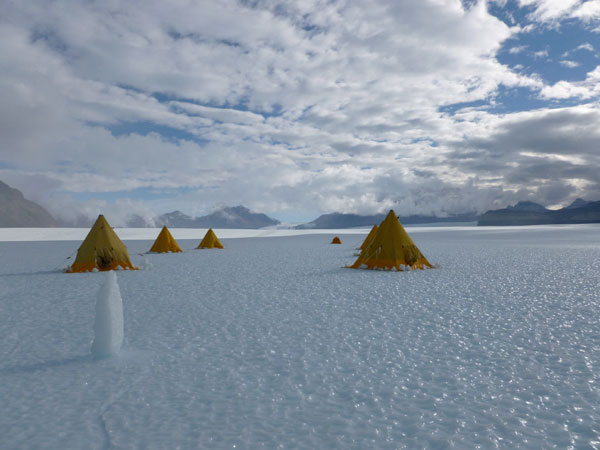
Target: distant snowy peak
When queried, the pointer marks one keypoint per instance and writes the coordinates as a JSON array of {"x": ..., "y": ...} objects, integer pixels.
[
  {"x": 236, "y": 217},
  {"x": 176, "y": 219},
  {"x": 228, "y": 217},
  {"x": 16, "y": 211},
  {"x": 176, "y": 215}
]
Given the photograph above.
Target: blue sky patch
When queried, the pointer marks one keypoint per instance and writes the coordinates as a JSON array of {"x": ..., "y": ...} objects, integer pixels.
[
  {"x": 554, "y": 54},
  {"x": 143, "y": 128}
]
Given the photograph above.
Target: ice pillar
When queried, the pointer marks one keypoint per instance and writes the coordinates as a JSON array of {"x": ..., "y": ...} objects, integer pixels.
[{"x": 108, "y": 325}]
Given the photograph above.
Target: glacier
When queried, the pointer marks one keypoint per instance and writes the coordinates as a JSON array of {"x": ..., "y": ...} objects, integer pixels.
[{"x": 272, "y": 343}]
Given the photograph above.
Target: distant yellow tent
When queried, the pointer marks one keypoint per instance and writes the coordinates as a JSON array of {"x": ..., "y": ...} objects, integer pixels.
[
  {"x": 101, "y": 250},
  {"x": 165, "y": 243},
  {"x": 369, "y": 237},
  {"x": 391, "y": 247},
  {"x": 336, "y": 240},
  {"x": 210, "y": 240}
]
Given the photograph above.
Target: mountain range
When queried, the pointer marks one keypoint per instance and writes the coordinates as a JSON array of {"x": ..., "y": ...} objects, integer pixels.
[
  {"x": 17, "y": 211},
  {"x": 339, "y": 220},
  {"x": 529, "y": 213},
  {"x": 228, "y": 217}
]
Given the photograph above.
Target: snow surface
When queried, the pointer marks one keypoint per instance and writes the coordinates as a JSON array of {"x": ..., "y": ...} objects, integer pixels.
[
  {"x": 108, "y": 322},
  {"x": 271, "y": 343}
]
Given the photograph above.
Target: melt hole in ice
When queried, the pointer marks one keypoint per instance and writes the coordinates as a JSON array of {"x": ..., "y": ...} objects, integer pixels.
[{"x": 108, "y": 324}]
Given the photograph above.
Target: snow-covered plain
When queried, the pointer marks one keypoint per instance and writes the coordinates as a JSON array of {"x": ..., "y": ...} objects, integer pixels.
[{"x": 271, "y": 343}]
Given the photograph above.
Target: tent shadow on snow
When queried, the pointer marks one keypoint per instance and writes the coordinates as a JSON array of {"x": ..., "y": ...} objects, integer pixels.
[
  {"x": 39, "y": 272},
  {"x": 45, "y": 365}
]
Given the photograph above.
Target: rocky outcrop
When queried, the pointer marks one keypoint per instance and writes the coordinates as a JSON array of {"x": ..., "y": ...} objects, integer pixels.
[{"x": 17, "y": 211}]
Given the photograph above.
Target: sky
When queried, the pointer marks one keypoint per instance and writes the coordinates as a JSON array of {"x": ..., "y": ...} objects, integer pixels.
[{"x": 299, "y": 108}]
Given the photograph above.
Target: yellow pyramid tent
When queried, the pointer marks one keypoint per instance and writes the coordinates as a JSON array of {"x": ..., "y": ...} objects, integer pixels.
[
  {"x": 369, "y": 237},
  {"x": 336, "y": 240},
  {"x": 165, "y": 243},
  {"x": 101, "y": 250},
  {"x": 391, "y": 247},
  {"x": 210, "y": 240}
]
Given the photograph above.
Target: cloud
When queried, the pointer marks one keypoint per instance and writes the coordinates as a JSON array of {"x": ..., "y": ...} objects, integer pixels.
[
  {"x": 533, "y": 150},
  {"x": 585, "y": 46},
  {"x": 588, "y": 11},
  {"x": 585, "y": 89},
  {"x": 517, "y": 49},
  {"x": 569, "y": 64},
  {"x": 307, "y": 106},
  {"x": 548, "y": 10},
  {"x": 555, "y": 10}
]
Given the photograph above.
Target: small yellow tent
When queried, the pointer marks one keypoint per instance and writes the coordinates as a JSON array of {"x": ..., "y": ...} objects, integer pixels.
[
  {"x": 336, "y": 240},
  {"x": 101, "y": 250},
  {"x": 391, "y": 247},
  {"x": 210, "y": 240},
  {"x": 165, "y": 243},
  {"x": 369, "y": 237}
]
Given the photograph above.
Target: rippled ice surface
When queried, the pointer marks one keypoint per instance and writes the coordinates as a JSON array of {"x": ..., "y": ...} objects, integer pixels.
[{"x": 270, "y": 343}]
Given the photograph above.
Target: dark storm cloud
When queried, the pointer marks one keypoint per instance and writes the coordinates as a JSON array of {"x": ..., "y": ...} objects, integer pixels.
[
  {"x": 548, "y": 155},
  {"x": 564, "y": 131}
]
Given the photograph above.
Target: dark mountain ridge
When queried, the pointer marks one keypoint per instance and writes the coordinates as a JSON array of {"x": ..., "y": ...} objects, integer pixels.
[
  {"x": 339, "y": 220},
  {"x": 528, "y": 206},
  {"x": 16, "y": 211},
  {"x": 580, "y": 211}
]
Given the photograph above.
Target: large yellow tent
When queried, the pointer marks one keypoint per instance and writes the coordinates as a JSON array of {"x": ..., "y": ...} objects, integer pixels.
[
  {"x": 391, "y": 247},
  {"x": 101, "y": 250},
  {"x": 369, "y": 237},
  {"x": 210, "y": 240},
  {"x": 165, "y": 242}
]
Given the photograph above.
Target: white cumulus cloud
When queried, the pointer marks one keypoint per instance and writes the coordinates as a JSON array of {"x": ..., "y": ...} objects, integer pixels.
[{"x": 308, "y": 106}]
